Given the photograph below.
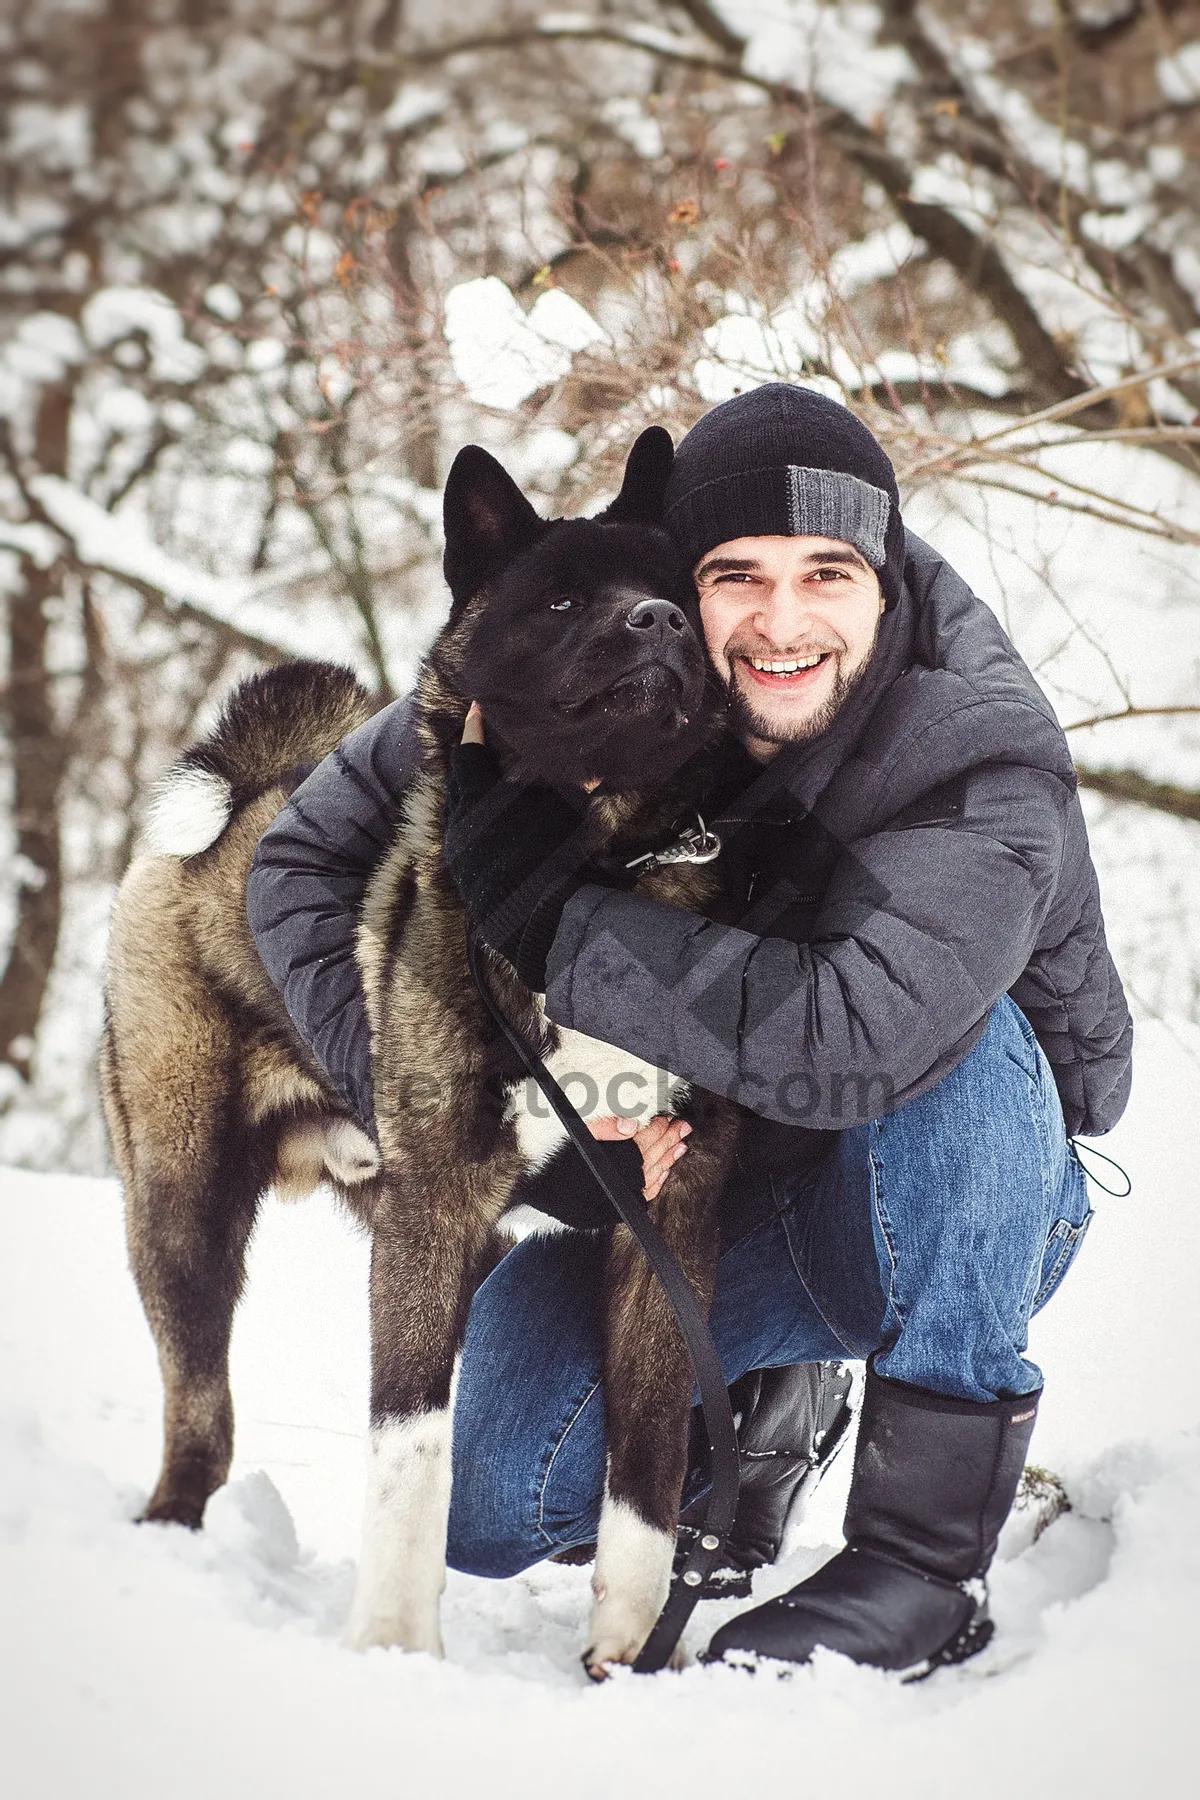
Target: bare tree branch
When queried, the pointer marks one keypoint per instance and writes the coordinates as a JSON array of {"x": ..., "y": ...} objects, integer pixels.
[
  {"x": 977, "y": 260},
  {"x": 1135, "y": 712},
  {"x": 1127, "y": 784},
  {"x": 710, "y": 24},
  {"x": 959, "y": 450}
]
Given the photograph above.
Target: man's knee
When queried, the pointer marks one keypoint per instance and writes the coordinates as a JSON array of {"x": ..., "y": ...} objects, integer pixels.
[
  {"x": 479, "y": 1541},
  {"x": 960, "y": 1178},
  {"x": 518, "y": 1497},
  {"x": 528, "y": 1450}
]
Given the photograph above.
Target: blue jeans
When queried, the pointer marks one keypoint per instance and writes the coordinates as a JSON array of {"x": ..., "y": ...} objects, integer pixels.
[{"x": 928, "y": 1237}]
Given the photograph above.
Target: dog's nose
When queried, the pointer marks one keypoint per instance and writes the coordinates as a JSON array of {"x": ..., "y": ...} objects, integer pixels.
[{"x": 657, "y": 618}]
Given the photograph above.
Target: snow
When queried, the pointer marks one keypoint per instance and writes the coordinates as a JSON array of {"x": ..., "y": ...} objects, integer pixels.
[
  {"x": 749, "y": 348},
  {"x": 747, "y": 345},
  {"x": 1179, "y": 75},
  {"x": 414, "y": 102},
  {"x": 119, "y": 545},
  {"x": 142, "y": 1661},
  {"x": 629, "y": 118},
  {"x": 830, "y": 49},
  {"x": 116, "y": 312},
  {"x": 501, "y": 354}
]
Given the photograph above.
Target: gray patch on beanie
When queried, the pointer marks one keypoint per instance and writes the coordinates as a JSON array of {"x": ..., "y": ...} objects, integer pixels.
[{"x": 831, "y": 504}]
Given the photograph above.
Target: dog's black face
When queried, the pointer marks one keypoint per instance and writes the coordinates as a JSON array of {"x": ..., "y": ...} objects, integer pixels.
[
  {"x": 581, "y": 639},
  {"x": 586, "y": 654}
]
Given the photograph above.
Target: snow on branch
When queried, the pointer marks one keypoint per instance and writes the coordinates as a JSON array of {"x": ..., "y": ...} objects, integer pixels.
[{"x": 115, "y": 546}]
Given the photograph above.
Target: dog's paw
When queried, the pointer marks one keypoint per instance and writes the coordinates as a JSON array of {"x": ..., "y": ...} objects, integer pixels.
[
  {"x": 378, "y": 1631},
  {"x": 599, "y": 1665},
  {"x": 620, "y": 1626},
  {"x": 631, "y": 1581}
]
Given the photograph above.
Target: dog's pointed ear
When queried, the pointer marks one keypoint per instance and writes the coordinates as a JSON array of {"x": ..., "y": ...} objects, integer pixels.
[
  {"x": 488, "y": 521},
  {"x": 640, "y": 501}
]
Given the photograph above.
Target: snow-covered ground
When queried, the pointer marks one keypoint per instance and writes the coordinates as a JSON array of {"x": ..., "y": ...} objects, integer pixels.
[{"x": 138, "y": 1662}]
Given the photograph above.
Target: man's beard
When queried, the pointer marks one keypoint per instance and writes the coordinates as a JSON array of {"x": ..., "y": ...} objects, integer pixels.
[{"x": 749, "y": 723}]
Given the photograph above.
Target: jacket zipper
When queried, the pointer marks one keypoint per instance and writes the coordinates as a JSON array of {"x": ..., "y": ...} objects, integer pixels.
[{"x": 797, "y": 899}]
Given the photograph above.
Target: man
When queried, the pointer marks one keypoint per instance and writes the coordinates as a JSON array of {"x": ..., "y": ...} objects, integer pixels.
[{"x": 917, "y": 1005}]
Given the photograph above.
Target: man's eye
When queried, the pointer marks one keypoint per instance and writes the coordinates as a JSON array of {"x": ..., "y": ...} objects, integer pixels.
[
  {"x": 834, "y": 573},
  {"x": 560, "y": 606}
]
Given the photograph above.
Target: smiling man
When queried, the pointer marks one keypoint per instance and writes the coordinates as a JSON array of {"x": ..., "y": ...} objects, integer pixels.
[
  {"x": 791, "y": 625},
  {"x": 916, "y": 1005}
]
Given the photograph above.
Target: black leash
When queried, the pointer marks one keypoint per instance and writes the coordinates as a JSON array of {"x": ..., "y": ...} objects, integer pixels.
[{"x": 705, "y": 1550}]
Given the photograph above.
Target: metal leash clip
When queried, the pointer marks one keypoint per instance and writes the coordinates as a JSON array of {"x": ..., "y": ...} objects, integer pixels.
[{"x": 695, "y": 845}]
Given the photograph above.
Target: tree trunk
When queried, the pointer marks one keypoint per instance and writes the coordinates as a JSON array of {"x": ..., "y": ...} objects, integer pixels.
[
  {"x": 39, "y": 759},
  {"x": 39, "y": 754}
]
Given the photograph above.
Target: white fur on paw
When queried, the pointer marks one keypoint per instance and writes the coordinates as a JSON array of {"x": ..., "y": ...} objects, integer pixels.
[
  {"x": 616, "y": 1641},
  {"x": 631, "y": 1582},
  {"x": 402, "y": 1570},
  {"x": 379, "y": 1632},
  {"x": 600, "y": 1080}
]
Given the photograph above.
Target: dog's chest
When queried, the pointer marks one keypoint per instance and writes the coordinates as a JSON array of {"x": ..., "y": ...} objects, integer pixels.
[{"x": 600, "y": 1081}]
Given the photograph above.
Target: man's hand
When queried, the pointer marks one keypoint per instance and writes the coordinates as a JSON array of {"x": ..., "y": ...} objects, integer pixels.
[
  {"x": 509, "y": 850},
  {"x": 660, "y": 1142}
]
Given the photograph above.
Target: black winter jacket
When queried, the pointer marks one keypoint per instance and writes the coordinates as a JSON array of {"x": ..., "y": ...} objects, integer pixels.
[{"x": 924, "y": 856}]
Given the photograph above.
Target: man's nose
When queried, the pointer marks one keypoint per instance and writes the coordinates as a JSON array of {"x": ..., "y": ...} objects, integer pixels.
[
  {"x": 784, "y": 614},
  {"x": 656, "y": 620}
]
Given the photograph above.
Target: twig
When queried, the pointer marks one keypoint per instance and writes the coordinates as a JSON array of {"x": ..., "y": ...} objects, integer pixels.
[
  {"x": 1064, "y": 409},
  {"x": 1135, "y": 712},
  {"x": 1127, "y": 784},
  {"x": 1149, "y": 525}
]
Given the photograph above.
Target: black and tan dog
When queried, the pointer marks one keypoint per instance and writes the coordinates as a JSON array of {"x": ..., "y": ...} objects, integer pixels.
[{"x": 581, "y": 640}]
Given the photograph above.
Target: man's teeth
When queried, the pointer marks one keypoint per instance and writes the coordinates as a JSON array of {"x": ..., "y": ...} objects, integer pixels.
[{"x": 790, "y": 666}]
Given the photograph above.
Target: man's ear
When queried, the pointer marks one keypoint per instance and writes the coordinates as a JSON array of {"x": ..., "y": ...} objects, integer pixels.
[
  {"x": 640, "y": 501},
  {"x": 488, "y": 521}
]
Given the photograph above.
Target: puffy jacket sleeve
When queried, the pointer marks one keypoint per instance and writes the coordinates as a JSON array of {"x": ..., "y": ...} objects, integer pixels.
[
  {"x": 922, "y": 928},
  {"x": 306, "y": 886}
]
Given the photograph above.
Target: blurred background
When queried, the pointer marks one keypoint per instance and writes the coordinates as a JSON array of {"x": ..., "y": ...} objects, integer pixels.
[{"x": 265, "y": 265}]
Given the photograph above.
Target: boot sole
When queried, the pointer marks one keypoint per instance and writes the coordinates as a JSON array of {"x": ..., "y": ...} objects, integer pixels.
[{"x": 975, "y": 1636}]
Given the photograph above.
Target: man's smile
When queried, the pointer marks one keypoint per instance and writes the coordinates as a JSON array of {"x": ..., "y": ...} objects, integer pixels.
[{"x": 787, "y": 672}]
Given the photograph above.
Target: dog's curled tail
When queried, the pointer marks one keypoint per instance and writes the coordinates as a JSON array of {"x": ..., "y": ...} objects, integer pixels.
[{"x": 273, "y": 727}]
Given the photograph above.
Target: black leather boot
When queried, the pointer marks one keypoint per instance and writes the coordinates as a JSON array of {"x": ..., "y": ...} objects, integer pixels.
[
  {"x": 790, "y": 1424},
  {"x": 934, "y": 1479}
]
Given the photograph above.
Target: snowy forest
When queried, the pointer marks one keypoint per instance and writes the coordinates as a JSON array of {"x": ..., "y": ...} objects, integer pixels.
[{"x": 265, "y": 266}]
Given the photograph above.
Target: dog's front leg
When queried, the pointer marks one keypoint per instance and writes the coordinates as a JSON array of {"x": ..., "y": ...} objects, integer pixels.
[
  {"x": 424, "y": 1262},
  {"x": 647, "y": 1403}
]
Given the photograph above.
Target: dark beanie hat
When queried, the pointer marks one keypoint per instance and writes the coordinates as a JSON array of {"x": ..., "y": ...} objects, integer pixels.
[{"x": 784, "y": 461}]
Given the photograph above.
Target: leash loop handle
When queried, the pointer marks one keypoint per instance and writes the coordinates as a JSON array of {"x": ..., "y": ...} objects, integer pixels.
[
  {"x": 631, "y": 1209},
  {"x": 1082, "y": 1150}
]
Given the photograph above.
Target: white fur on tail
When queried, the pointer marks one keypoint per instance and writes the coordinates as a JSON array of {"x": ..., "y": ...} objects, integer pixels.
[
  {"x": 630, "y": 1583},
  {"x": 402, "y": 1570},
  {"x": 189, "y": 811}
]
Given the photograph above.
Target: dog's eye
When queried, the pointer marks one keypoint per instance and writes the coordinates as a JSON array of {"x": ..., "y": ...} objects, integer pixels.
[{"x": 560, "y": 606}]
